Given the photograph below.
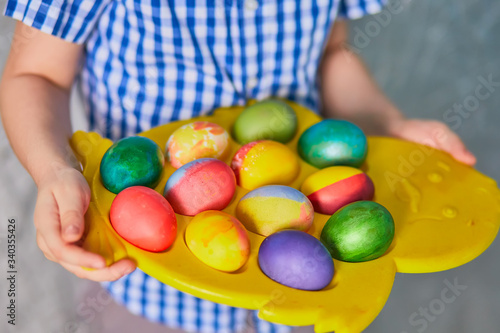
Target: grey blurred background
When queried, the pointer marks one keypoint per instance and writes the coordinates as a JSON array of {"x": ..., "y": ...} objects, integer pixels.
[{"x": 427, "y": 56}]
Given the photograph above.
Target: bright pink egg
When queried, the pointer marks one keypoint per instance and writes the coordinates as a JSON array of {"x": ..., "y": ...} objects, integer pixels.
[
  {"x": 203, "y": 184},
  {"x": 144, "y": 218}
]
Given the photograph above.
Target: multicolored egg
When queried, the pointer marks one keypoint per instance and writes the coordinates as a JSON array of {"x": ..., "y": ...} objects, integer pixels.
[
  {"x": 266, "y": 120},
  {"x": 131, "y": 161},
  {"x": 332, "y": 188},
  {"x": 272, "y": 208},
  {"x": 144, "y": 218},
  {"x": 360, "y": 231},
  {"x": 203, "y": 184},
  {"x": 264, "y": 162},
  {"x": 218, "y": 240},
  {"x": 200, "y": 139},
  {"x": 296, "y": 259},
  {"x": 333, "y": 142}
]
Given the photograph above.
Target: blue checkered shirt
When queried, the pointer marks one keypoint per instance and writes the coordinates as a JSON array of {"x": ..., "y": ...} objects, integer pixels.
[{"x": 152, "y": 62}]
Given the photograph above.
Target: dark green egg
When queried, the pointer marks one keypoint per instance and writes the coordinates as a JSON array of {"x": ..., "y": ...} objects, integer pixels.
[
  {"x": 131, "y": 161},
  {"x": 266, "y": 120},
  {"x": 360, "y": 231},
  {"x": 333, "y": 142}
]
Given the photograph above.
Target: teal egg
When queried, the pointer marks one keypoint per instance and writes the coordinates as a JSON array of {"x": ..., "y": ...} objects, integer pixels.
[
  {"x": 360, "y": 231},
  {"x": 266, "y": 120},
  {"x": 333, "y": 142},
  {"x": 132, "y": 161}
]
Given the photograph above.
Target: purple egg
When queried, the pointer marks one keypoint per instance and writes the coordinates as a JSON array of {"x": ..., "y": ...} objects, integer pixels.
[{"x": 296, "y": 259}]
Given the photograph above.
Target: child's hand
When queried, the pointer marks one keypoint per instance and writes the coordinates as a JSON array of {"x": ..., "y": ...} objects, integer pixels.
[
  {"x": 63, "y": 198},
  {"x": 435, "y": 134}
]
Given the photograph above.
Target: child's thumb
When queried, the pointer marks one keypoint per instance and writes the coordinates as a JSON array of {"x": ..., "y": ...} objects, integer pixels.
[{"x": 71, "y": 213}]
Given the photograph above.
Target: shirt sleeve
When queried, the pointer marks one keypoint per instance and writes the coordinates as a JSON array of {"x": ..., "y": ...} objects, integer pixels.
[
  {"x": 354, "y": 9},
  {"x": 71, "y": 20}
]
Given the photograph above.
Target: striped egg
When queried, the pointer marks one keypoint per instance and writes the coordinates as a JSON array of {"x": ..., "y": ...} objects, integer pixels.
[
  {"x": 200, "y": 185},
  {"x": 219, "y": 240},
  {"x": 272, "y": 208},
  {"x": 332, "y": 188},
  {"x": 265, "y": 162},
  {"x": 200, "y": 139}
]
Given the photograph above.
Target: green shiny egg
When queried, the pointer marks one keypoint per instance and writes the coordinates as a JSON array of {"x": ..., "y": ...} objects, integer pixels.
[
  {"x": 360, "y": 231},
  {"x": 131, "y": 161},
  {"x": 266, "y": 120}
]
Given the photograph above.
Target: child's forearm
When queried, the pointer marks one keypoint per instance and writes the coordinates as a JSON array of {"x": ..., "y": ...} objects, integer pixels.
[
  {"x": 349, "y": 92},
  {"x": 35, "y": 115}
]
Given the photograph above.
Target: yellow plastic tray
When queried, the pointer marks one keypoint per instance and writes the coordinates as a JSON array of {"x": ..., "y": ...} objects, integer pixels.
[{"x": 446, "y": 214}]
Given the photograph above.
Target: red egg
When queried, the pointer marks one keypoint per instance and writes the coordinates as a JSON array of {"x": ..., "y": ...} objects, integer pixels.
[{"x": 144, "y": 218}]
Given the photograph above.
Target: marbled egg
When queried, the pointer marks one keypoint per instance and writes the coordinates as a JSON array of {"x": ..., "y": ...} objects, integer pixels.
[
  {"x": 265, "y": 162},
  {"x": 200, "y": 139},
  {"x": 332, "y": 188},
  {"x": 266, "y": 120},
  {"x": 360, "y": 231},
  {"x": 134, "y": 160},
  {"x": 272, "y": 208},
  {"x": 203, "y": 184},
  {"x": 218, "y": 240},
  {"x": 144, "y": 218},
  {"x": 333, "y": 142},
  {"x": 296, "y": 259}
]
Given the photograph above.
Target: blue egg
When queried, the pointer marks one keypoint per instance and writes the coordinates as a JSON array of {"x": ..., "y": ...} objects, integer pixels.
[
  {"x": 132, "y": 161},
  {"x": 333, "y": 142},
  {"x": 296, "y": 259}
]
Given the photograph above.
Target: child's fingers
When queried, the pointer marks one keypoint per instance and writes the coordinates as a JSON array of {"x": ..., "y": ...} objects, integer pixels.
[
  {"x": 72, "y": 206},
  {"x": 44, "y": 248},
  {"x": 69, "y": 253},
  {"x": 48, "y": 227},
  {"x": 110, "y": 273},
  {"x": 451, "y": 143}
]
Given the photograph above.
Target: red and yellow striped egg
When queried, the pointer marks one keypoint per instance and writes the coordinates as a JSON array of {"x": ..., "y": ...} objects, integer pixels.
[{"x": 332, "y": 188}]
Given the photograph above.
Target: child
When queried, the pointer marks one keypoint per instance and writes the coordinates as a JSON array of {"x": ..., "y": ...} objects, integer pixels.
[{"x": 145, "y": 63}]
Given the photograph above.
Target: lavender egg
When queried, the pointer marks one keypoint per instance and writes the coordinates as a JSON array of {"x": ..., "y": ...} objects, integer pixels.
[{"x": 296, "y": 259}]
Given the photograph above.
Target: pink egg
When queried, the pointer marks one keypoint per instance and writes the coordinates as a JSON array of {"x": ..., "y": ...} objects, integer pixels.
[{"x": 203, "y": 184}]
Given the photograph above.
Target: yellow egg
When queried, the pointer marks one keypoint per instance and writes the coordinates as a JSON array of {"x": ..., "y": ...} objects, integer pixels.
[
  {"x": 265, "y": 162},
  {"x": 219, "y": 240}
]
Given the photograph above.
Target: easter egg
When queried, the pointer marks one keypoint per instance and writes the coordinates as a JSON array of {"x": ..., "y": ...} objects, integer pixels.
[
  {"x": 131, "y": 161},
  {"x": 360, "y": 231},
  {"x": 266, "y": 120},
  {"x": 296, "y": 259},
  {"x": 272, "y": 208},
  {"x": 203, "y": 184},
  {"x": 200, "y": 139},
  {"x": 219, "y": 240},
  {"x": 332, "y": 188},
  {"x": 264, "y": 162},
  {"x": 144, "y": 218},
  {"x": 333, "y": 142}
]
